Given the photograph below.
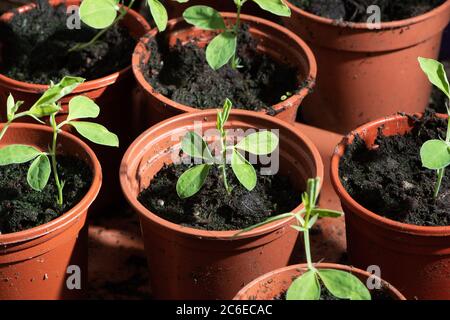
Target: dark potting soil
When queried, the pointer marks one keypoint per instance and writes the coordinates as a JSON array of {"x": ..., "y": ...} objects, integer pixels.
[
  {"x": 390, "y": 180},
  {"x": 380, "y": 295},
  {"x": 23, "y": 208},
  {"x": 356, "y": 10},
  {"x": 211, "y": 208},
  {"x": 36, "y": 43},
  {"x": 182, "y": 74}
]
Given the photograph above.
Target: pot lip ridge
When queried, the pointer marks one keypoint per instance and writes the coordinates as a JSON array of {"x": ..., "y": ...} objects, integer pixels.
[
  {"x": 363, "y": 26},
  {"x": 136, "y": 149},
  {"x": 356, "y": 208},
  {"x": 322, "y": 265},
  {"x": 70, "y": 215},
  {"x": 310, "y": 78},
  {"x": 84, "y": 87}
]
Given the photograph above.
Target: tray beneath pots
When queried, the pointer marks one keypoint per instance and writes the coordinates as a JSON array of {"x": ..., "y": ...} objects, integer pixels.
[{"x": 117, "y": 265}]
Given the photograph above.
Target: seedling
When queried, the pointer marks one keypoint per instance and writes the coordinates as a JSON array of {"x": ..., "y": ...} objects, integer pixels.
[
  {"x": 103, "y": 14},
  {"x": 222, "y": 49},
  {"x": 341, "y": 284},
  {"x": 80, "y": 107},
  {"x": 258, "y": 143},
  {"x": 435, "y": 154}
]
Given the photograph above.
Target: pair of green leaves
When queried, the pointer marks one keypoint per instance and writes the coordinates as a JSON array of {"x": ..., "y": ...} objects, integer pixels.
[
  {"x": 100, "y": 14},
  {"x": 258, "y": 143},
  {"x": 435, "y": 154},
  {"x": 39, "y": 171},
  {"x": 191, "y": 181},
  {"x": 47, "y": 103},
  {"x": 341, "y": 284},
  {"x": 222, "y": 47}
]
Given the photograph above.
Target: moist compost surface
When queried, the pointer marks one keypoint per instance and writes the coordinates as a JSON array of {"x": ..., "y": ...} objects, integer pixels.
[
  {"x": 326, "y": 295},
  {"x": 22, "y": 208},
  {"x": 36, "y": 44},
  {"x": 182, "y": 74},
  {"x": 390, "y": 180},
  {"x": 211, "y": 208},
  {"x": 356, "y": 10}
]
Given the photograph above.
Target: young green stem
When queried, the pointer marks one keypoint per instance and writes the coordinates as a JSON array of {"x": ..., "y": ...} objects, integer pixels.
[
  {"x": 223, "y": 143},
  {"x": 59, "y": 186},
  {"x": 306, "y": 241},
  {"x": 441, "y": 172},
  {"x": 237, "y": 26},
  {"x": 6, "y": 126},
  {"x": 81, "y": 46}
]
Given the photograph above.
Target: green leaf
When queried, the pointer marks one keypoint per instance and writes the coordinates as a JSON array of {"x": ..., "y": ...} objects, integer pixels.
[
  {"x": 243, "y": 170},
  {"x": 98, "y": 14},
  {"x": 435, "y": 154},
  {"x": 326, "y": 213},
  {"x": 96, "y": 133},
  {"x": 196, "y": 147},
  {"x": 192, "y": 180},
  {"x": 436, "y": 74},
  {"x": 305, "y": 287},
  {"x": 277, "y": 7},
  {"x": 204, "y": 17},
  {"x": 82, "y": 107},
  {"x": 221, "y": 49},
  {"x": 259, "y": 143},
  {"x": 46, "y": 105},
  {"x": 39, "y": 173},
  {"x": 222, "y": 116},
  {"x": 159, "y": 14},
  {"x": 344, "y": 285},
  {"x": 11, "y": 107},
  {"x": 17, "y": 153}
]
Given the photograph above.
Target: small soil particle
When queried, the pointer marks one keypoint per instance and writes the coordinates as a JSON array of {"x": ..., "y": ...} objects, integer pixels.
[
  {"x": 22, "y": 208},
  {"x": 211, "y": 208},
  {"x": 182, "y": 74},
  {"x": 36, "y": 43},
  {"x": 390, "y": 180},
  {"x": 356, "y": 10}
]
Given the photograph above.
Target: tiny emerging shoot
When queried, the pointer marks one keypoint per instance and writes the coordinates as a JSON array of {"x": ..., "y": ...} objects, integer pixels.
[
  {"x": 258, "y": 143},
  {"x": 222, "y": 49},
  {"x": 80, "y": 107},
  {"x": 341, "y": 284},
  {"x": 104, "y": 14},
  {"x": 435, "y": 154}
]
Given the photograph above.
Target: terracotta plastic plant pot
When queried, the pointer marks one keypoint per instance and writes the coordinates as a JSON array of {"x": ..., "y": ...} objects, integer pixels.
[
  {"x": 415, "y": 259},
  {"x": 112, "y": 93},
  {"x": 366, "y": 74},
  {"x": 273, "y": 284},
  {"x": 187, "y": 263},
  {"x": 34, "y": 263},
  {"x": 280, "y": 43}
]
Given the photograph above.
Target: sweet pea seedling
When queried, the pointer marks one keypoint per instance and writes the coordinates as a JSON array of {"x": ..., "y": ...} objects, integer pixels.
[
  {"x": 80, "y": 107},
  {"x": 222, "y": 48},
  {"x": 103, "y": 14},
  {"x": 341, "y": 284},
  {"x": 258, "y": 143},
  {"x": 435, "y": 154}
]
